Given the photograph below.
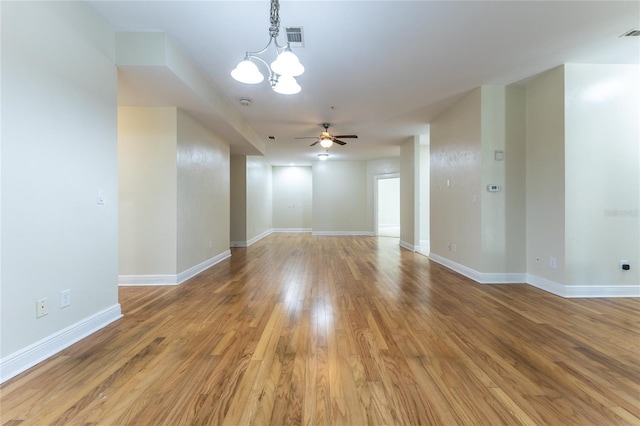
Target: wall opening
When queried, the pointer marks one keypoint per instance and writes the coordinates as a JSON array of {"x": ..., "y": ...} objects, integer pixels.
[{"x": 387, "y": 205}]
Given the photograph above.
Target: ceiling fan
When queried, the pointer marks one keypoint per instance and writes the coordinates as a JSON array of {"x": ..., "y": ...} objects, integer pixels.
[{"x": 326, "y": 139}]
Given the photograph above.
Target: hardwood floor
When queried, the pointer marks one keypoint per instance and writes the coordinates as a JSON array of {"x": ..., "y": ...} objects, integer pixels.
[{"x": 341, "y": 330}]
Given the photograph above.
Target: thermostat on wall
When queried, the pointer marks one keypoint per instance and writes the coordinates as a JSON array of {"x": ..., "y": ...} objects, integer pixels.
[{"x": 494, "y": 188}]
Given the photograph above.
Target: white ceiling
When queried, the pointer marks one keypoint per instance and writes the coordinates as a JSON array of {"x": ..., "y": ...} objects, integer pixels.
[{"x": 379, "y": 69}]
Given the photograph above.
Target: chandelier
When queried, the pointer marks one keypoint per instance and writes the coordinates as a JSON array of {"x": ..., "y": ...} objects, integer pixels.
[{"x": 283, "y": 69}]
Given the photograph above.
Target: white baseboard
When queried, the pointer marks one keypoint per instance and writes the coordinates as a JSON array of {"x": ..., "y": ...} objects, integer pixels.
[
  {"x": 144, "y": 280},
  {"x": 503, "y": 278},
  {"x": 290, "y": 230},
  {"x": 546, "y": 285},
  {"x": 343, "y": 233},
  {"x": 461, "y": 269},
  {"x": 16, "y": 363},
  {"x": 583, "y": 291},
  {"x": 259, "y": 237},
  {"x": 480, "y": 277},
  {"x": 251, "y": 241},
  {"x": 566, "y": 291},
  {"x": 195, "y": 270},
  {"x": 408, "y": 246}
]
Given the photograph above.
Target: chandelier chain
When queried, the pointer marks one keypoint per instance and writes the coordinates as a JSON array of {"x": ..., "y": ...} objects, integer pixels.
[{"x": 274, "y": 30}]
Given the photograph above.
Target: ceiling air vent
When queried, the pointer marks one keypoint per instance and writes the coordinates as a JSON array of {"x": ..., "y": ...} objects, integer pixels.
[
  {"x": 294, "y": 36},
  {"x": 635, "y": 32}
]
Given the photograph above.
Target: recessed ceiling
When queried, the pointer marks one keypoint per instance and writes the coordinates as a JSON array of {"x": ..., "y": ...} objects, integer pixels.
[{"x": 380, "y": 69}]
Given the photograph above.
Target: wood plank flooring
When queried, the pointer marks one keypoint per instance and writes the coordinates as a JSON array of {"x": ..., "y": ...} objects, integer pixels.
[{"x": 302, "y": 330}]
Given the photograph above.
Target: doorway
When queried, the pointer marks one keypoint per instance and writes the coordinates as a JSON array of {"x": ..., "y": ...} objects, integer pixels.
[{"x": 387, "y": 205}]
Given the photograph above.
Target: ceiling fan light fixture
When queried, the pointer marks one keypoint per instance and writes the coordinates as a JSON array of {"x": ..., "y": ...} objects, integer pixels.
[
  {"x": 247, "y": 72},
  {"x": 326, "y": 143},
  {"x": 287, "y": 85},
  {"x": 323, "y": 156}
]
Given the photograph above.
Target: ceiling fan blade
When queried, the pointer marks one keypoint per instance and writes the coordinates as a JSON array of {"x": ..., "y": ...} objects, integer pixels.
[
  {"x": 314, "y": 143},
  {"x": 339, "y": 142},
  {"x": 346, "y": 136}
]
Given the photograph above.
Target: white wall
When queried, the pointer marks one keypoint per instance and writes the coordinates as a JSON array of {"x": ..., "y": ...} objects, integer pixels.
[
  {"x": 203, "y": 213},
  {"x": 492, "y": 204},
  {"x": 503, "y": 212},
  {"x": 292, "y": 198},
  {"x": 58, "y": 137},
  {"x": 602, "y": 169},
  {"x": 456, "y": 158},
  {"x": 410, "y": 193},
  {"x": 480, "y": 232},
  {"x": 238, "y": 207},
  {"x": 425, "y": 186},
  {"x": 545, "y": 175},
  {"x": 339, "y": 198},
  {"x": 174, "y": 195},
  {"x": 259, "y": 196},
  {"x": 569, "y": 176},
  {"x": 251, "y": 199},
  {"x": 147, "y": 173},
  {"x": 515, "y": 249}
]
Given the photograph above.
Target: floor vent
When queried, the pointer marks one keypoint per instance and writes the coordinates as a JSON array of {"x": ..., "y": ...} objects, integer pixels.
[{"x": 294, "y": 36}]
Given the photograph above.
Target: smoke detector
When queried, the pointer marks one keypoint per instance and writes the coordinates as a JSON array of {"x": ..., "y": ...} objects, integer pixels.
[{"x": 245, "y": 101}]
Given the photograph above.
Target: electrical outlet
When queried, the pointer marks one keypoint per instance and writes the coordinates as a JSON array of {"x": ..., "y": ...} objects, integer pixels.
[
  {"x": 552, "y": 262},
  {"x": 42, "y": 307},
  {"x": 65, "y": 298},
  {"x": 624, "y": 265}
]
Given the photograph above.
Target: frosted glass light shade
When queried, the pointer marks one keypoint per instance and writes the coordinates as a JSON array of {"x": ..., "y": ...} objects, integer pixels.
[
  {"x": 287, "y": 85},
  {"x": 323, "y": 157},
  {"x": 326, "y": 143},
  {"x": 287, "y": 63},
  {"x": 247, "y": 72}
]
